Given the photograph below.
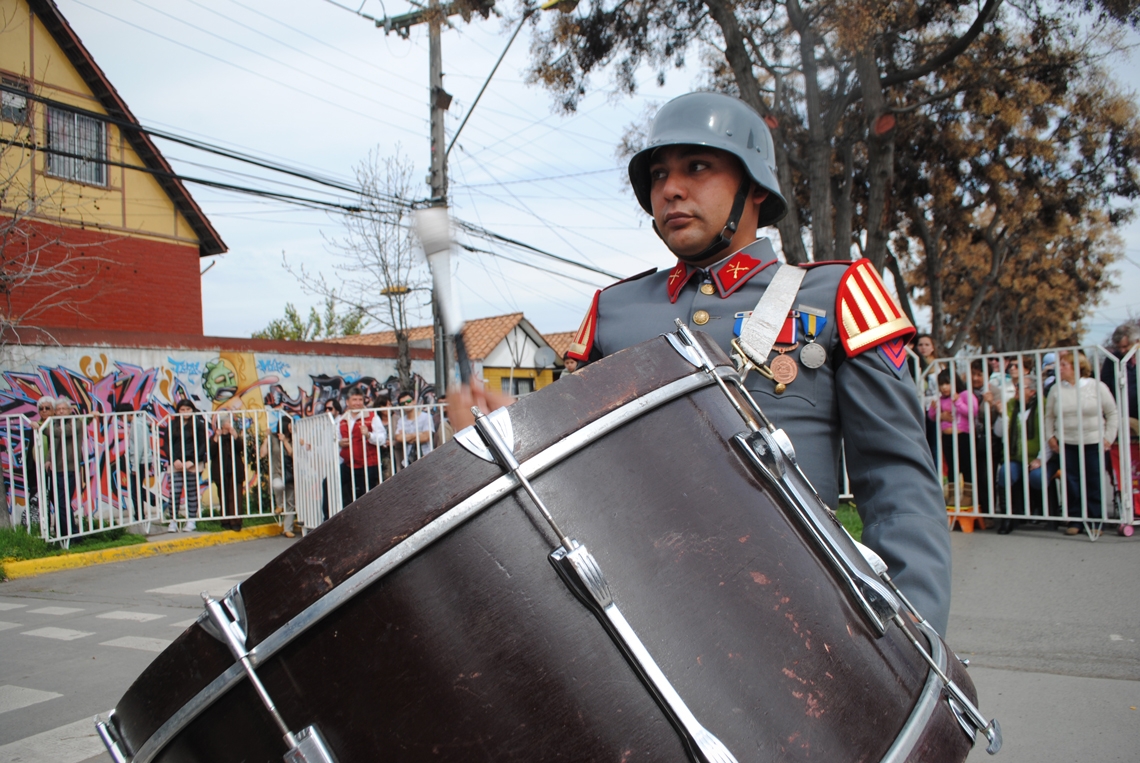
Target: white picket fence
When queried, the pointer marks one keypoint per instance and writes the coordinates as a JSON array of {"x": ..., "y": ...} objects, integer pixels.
[
  {"x": 1000, "y": 465},
  {"x": 340, "y": 458},
  {"x": 77, "y": 475},
  {"x": 83, "y": 474}
]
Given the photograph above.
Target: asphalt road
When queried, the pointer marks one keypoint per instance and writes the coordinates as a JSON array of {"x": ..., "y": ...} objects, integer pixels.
[{"x": 1050, "y": 624}]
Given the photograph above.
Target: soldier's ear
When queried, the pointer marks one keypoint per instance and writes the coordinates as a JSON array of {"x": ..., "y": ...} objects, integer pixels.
[{"x": 759, "y": 194}]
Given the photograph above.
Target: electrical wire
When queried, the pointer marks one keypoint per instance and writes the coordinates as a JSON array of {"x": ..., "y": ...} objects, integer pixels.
[{"x": 247, "y": 70}]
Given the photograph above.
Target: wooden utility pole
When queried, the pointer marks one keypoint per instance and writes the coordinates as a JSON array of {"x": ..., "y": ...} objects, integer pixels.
[{"x": 435, "y": 16}]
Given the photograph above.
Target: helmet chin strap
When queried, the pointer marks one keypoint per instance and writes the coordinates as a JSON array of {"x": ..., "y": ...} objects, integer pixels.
[{"x": 724, "y": 238}]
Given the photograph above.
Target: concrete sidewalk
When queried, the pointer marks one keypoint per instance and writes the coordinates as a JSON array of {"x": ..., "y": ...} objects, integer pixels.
[{"x": 1051, "y": 626}]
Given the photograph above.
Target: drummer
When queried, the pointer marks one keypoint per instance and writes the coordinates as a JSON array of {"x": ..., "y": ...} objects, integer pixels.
[{"x": 839, "y": 360}]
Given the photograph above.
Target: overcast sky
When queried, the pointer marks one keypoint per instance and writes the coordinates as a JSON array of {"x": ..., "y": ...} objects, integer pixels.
[{"x": 317, "y": 87}]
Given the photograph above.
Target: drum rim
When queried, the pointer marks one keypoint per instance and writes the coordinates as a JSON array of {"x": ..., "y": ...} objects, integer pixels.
[
  {"x": 413, "y": 545},
  {"x": 928, "y": 700}
]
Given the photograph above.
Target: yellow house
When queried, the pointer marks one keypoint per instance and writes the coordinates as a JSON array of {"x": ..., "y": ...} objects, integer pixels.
[{"x": 102, "y": 232}]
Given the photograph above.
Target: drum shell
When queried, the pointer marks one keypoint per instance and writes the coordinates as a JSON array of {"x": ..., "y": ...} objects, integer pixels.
[{"x": 475, "y": 650}]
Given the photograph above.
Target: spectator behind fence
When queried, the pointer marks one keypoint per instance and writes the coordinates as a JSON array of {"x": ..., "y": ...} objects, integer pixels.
[
  {"x": 1022, "y": 437},
  {"x": 1124, "y": 338},
  {"x": 335, "y": 410},
  {"x": 927, "y": 383},
  {"x": 134, "y": 460},
  {"x": 953, "y": 412},
  {"x": 1082, "y": 411},
  {"x": 227, "y": 470},
  {"x": 64, "y": 444},
  {"x": 278, "y": 448},
  {"x": 414, "y": 428},
  {"x": 362, "y": 434},
  {"x": 186, "y": 444}
]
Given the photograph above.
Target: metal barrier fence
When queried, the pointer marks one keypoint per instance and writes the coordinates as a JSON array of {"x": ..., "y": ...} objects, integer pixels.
[
  {"x": 75, "y": 475},
  {"x": 339, "y": 459},
  {"x": 1035, "y": 435}
]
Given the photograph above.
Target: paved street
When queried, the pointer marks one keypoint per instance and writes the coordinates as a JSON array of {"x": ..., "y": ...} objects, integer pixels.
[
  {"x": 1050, "y": 624},
  {"x": 74, "y": 641}
]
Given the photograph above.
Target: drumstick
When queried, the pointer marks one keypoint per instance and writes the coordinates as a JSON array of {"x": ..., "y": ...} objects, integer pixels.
[{"x": 433, "y": 226}]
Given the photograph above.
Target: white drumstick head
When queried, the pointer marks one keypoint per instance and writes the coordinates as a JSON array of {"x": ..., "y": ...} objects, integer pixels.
[{"x": 433, "y": 227}]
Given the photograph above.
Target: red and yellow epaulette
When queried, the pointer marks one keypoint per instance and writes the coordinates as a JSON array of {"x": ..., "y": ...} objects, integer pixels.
[
  {"x": 579, "y": 349},
  {"x": 868, "y": 316}
]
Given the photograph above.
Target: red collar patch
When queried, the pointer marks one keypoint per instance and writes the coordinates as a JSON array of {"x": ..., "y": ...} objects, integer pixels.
[
  {"x": 732, "y": 274},
  {"x": 678, "y": 277}
]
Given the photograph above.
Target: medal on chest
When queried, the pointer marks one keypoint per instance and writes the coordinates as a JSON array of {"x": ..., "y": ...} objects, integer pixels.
[{"x": 812, "y": 322}]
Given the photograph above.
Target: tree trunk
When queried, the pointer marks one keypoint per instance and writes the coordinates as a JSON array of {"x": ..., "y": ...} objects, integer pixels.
[
  {"x": 880, "y": 158},
  {"x": 819, "y": 142},
  {"x": 736, "y": 53}
]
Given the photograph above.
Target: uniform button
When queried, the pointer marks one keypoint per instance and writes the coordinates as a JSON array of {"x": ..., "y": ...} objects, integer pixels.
[
  {"x": 708, "y": 289},
  {"x": 700, "y": 317}
]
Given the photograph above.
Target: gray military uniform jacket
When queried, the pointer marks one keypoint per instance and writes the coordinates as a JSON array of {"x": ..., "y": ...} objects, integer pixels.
[{"x": 860, "y": 398}]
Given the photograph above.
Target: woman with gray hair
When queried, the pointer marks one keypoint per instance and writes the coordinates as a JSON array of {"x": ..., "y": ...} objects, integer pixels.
[
  {"x": 1124, "y": 338},
  {"x": 63, "y": 458}
]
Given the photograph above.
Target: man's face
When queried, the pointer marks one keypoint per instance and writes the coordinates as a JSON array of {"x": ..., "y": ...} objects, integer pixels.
[
  {"x": 356, "y": 402},
  {"x": 691, "y": 191},
  {"x": 1124, "y": 345},
  {"x": 45, "y": 410},
  {"x": 63, "y": 409}
]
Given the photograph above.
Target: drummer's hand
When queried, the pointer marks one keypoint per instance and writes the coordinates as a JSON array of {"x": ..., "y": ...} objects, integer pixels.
[{"x": 460, "y": 400}]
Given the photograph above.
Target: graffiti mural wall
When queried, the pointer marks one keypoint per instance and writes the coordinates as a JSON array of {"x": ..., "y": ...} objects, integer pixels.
[
  {"x": 260, "y": 385},
  {"x": 99, "y": 378}
]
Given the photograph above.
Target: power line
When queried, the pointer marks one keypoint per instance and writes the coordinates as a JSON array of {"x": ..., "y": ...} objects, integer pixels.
[
  {"x": 540, "y": 179},
  {"x": 276, "y": 61},
  {"x": 246, "y": 70}
]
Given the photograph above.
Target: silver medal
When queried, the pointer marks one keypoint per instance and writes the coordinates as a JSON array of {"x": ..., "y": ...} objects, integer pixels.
[{"x": 812, "y": 355}]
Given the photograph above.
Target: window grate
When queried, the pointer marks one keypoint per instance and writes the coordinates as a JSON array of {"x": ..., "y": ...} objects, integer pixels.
[
  {"x": 13, "y": 106},
  {"x": 77, "y": 147}
]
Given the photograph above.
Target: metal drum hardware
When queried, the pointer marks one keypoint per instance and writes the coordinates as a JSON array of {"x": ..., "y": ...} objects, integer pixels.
[{"x": 582, "y": 574}]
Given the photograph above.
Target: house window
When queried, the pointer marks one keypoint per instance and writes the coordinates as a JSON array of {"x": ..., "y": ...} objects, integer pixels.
[
  {"x": 13, "y": 106},
  {"x": 77, "y": 147},
  {"x": 519, "y": 388}
]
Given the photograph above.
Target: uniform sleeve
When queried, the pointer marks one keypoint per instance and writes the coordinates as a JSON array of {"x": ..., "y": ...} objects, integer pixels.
[{"x": 897, "y": 490}]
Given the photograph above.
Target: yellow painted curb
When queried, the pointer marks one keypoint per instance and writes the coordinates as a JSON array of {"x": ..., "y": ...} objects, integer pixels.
[{"x": 31, "y": 567}]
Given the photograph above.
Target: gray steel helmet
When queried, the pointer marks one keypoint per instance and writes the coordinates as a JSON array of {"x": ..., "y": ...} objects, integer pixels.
[{"x": 718, "y": 121}]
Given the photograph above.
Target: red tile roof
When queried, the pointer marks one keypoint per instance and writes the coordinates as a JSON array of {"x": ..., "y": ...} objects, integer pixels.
[
  {"x": 560, "y": 342},
  {"x": 481, "y": 335}
]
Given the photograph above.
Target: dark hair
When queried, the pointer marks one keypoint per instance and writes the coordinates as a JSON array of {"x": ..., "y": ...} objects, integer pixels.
[
  {"x": 356, "y": 391},
  {"x": 124, "y": 408},
  {"x": 334, "y": 403},
  {"x": 185, "y": 403},
  {"x": 285, "y": 425},
  {"x": 978, "y": 365},
  {"x": 944, "y": 377}
]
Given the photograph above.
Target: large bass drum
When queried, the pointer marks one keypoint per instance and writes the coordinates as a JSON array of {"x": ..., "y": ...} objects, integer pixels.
[{"x": 696, "y": 606}]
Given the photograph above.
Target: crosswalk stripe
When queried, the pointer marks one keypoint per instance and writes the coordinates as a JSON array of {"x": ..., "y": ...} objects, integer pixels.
[
  {"x": 138, "y": 617},
  {"x": 72, "y": 743},
  {"x": 59, "y": 634},
  {"x": 215, "y": 586},
  {"x": 184, "y": 624},
  {"x": 5, "y": 626},
  {"x": 139, "y": 642},
  {"x": 5, "y": 606},
  {"x": 55, "y": 611},
  {"x": 15, "y": 697}
]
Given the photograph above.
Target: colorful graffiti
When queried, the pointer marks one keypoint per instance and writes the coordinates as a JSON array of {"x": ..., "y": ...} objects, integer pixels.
[{"x": 152, "y": 381}]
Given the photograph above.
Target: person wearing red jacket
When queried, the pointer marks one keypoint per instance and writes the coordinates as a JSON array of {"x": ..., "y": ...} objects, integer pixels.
[{"x": 362, "y": 435}]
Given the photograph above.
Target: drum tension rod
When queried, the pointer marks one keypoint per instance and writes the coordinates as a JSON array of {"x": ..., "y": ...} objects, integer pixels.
[
  {"x": 975, "y": 722},
  {"x": 307, "y": 745},
  {"x": 584, "y": 577},
  {"x": 507, "y": 458}
]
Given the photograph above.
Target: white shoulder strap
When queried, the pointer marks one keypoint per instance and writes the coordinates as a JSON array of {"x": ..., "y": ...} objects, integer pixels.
[{"x": 760, "y": 329}]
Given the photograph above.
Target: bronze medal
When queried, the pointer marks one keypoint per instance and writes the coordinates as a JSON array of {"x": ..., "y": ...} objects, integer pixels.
[
  {"x": 784, "y": 369},
  {"x": 813, "y": 355}
]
